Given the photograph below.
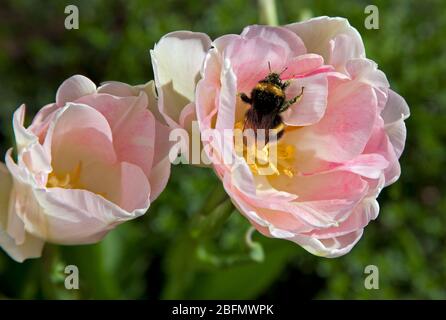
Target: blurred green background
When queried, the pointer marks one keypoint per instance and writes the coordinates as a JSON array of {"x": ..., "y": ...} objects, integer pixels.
[{"x": 155, "y": 256}]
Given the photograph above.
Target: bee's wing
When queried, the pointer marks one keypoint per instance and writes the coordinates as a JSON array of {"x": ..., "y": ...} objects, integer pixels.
[
  {"x": 255, "y": 120},
  {"x": 250, "y": 119}
]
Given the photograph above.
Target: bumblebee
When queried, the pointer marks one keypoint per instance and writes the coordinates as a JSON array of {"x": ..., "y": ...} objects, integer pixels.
[{"x": 268, "y": 101}]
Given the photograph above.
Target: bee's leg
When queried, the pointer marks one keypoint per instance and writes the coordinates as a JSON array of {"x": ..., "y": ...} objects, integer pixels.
[
  {"x": 286, "y": 84},
  {"x": 245, "y": 98},
  {"x": 288, "y": 103}
]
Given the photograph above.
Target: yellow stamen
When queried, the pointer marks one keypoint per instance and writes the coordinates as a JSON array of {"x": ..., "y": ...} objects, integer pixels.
[
  {"x": 239, "y": 125},
  {"x": 69, "y": 180},
  {"x": 261, "y": 161}
]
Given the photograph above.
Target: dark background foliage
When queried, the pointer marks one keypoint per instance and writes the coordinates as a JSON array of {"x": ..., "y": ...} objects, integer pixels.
[{"x": 154, "y": 256}]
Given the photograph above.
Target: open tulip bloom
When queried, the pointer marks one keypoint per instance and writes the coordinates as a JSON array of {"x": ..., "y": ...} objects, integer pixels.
[
  {"x": 332, "y": 132},
  {"x": 88, "y": 162}
]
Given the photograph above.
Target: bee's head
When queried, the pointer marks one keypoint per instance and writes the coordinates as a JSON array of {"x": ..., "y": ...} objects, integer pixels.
[{"x": 273, "y": 78}]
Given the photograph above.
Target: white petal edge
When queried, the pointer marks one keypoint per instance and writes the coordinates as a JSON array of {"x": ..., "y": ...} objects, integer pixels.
[{"x": 394, "y": 114}]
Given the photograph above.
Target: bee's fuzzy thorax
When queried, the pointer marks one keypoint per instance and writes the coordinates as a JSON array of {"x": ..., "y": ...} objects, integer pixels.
[{"x": 270, "y": 87}]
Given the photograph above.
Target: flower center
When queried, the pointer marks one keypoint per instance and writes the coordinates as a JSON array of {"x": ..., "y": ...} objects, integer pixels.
[
  {"x": 272, "y": 159},
  {"x": 69, "y": 180}
]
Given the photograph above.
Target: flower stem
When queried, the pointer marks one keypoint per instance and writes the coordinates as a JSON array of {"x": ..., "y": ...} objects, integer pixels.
[
  {"x": 183, "y": 254},
  {"x": 215, "y": 211},
  {"x": 268, "y": 12}
]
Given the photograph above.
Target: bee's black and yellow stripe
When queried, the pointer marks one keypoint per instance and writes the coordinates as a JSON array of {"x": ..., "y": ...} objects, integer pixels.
[{"x": 271, "y": 88}]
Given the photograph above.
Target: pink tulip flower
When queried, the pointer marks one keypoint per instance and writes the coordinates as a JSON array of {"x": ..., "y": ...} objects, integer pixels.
[
  {"x": 342, "y": 138},
  {"x": 93, "y": 159}
]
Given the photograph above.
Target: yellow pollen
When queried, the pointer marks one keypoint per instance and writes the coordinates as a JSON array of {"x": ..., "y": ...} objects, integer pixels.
[
  {"x": 285, "y": 151},
  {"x": 239, "y": 125}
]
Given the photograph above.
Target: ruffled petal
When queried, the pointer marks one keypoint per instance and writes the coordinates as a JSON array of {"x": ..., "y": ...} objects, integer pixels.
[
  {"x": 318, "y": 35},
  {"x": 278, "y": 36},
  {"x": 346, "y": 126},
  {"x": 394, "y": 114},
  {"x": 23, "y": 246}
]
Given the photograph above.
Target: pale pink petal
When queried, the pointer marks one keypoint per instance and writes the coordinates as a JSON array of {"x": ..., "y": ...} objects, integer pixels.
[
  {"x": 159, "y": 176},
  {"x": 309, "y": 216},
  {"x": 251, "y": 58},
  {"x": 318, "y": 35},
  {"x": 149, "y": 89},
  {"x": 80, "y": 134},
  {"x": 366, "y": 71},
  {"x": 135, "y": 188},
  {"x": 259, "y": 216},
  {"x": 73, "y": 88},
  {"x": 132, "y": 126},
  {"x": 103, "y": 179},
  {"x": 328, "y": 196},
  {"x": 207, "y": 91},
  {"x": 31, "y": 248},
  {"x": 346, "y": 126},
  {"x": 282, "y": 220},
  {"x": 310, "y": 108},
  {"x": 366, "y": 165},
  {"x": 358, "y": 219},
  {"x": 73, "y": 216},
  {"x": 188, "y": 114},
  {"x": 396, "y": 109},
  {"x": 124, "y": 184},
  {"x": 14, "y": 239},
  {"x": 302, "y": 65},
  {"x": 222, "y": 42},
  {"x": 329, "y": 248},
  {"x": 162, "y": 143},
  {"x": 160, "y": 171},
  {"x": 227, "y": 99},
  {"x": 23, "y": 136},
  {"x": 42, "y": 120},
  {"x": 119, "y": 89},
  {"x": 394, "y": 114},
  {"x": 30, "y": 151},
  {"x": 379, "y": 143},
  {"x": 278, "y": 36},
  {"x": 15, "y": 226},
  {"x": 37, "y": 161},
  {"x": 343, "y": 50}
]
